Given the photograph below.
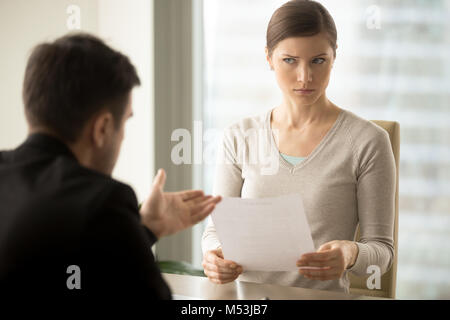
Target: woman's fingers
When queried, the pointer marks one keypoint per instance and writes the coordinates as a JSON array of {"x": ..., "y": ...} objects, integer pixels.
[
  {"x": 317, "y": 264},
  {"x": 219, "y": 253},
  {"x": 326, "y": 264},
  {"x": 221, "y": 276},
  {"x": 319, "y": 259},
  {"x": 213, "y": 258},
  {"x": 219, "y": 270},
  {"x": 222, "y": 268},
  {"x": 332, "y": 271},
  {"x": 216, "y": 269},
  {"x": 217, "y": 281},
  {"x": 319, "y": 256},
  {"x": 320, "y": 274}
]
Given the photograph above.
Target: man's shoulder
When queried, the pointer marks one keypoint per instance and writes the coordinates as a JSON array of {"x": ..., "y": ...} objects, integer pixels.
[
  {"x": 49, "y": 183},
  {"x": 4, "y": 154},
  {"x": 103, "y": 189}
]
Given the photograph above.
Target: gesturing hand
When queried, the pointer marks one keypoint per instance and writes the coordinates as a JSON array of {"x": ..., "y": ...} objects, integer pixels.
[
  {"x": 165, "y": 213},
  {"x": 330, "y": 261}
]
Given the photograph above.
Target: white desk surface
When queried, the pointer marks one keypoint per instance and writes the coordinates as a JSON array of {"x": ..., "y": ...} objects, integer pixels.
[{"x": 191, "y": 287}]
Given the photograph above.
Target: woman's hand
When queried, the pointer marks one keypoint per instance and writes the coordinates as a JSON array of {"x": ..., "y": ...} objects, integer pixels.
[
  {"x": 217, "y": 269},
  {"x": 165, "y": 213},
  {"x": 333, "y": 258}
]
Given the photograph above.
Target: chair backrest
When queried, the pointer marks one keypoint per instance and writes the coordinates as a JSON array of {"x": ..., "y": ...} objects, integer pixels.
[{"x": 358, "y": 285}]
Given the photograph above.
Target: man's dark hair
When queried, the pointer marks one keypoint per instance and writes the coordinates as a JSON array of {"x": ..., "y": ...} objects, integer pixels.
[{"x": 71, "y": 79}]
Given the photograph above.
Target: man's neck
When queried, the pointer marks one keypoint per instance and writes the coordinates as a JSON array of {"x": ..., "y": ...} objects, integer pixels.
[{"x": 77, "y": 148}]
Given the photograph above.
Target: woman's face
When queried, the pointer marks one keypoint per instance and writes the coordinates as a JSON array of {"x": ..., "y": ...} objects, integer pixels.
[{"x": 303, "y": 63}]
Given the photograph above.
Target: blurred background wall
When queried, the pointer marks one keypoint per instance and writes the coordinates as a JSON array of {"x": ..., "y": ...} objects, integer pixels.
[{"x": 125, "y": 25}]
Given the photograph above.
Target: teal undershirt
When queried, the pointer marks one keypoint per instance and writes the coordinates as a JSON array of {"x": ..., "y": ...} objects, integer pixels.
[{"x": 292, "y": 160}]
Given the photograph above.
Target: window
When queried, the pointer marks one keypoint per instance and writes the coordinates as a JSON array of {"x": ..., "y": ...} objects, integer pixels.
[{"x": 392, "y": 64}]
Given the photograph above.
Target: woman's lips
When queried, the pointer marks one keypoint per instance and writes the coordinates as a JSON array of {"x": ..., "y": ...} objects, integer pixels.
[{"x": 303, "y": 91}]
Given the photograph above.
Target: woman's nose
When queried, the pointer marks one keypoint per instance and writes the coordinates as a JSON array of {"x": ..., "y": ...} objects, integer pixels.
[{"x": 304, "y": 74}]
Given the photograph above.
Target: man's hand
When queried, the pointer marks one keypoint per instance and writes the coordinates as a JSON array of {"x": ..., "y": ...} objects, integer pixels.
[
  {"x": 333, "y": 258},
  {"x": 165, "y": 213}
]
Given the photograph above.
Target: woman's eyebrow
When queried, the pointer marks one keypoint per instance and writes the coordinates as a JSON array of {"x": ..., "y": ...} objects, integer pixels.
[{"x": 288, "y": 55}]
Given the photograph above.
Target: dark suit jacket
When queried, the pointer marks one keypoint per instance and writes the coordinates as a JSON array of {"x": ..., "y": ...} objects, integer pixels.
[{"x": 55, "y": 213}]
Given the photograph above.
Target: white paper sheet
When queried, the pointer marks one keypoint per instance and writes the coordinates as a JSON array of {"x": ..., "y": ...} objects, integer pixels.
[{"x": 268, "y": 234}]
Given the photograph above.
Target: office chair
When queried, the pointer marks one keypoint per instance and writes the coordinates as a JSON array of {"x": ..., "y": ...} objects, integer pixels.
[{"x": 358, "y": 285}]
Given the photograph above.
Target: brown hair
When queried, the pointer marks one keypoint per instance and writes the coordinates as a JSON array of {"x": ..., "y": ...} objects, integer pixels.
[
  {"x": 68, "y": 81},
  {"x": 300, "y": 18}
]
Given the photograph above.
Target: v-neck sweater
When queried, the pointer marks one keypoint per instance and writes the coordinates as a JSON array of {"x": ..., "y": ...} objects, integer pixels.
[{"x": 348, "y": 179}]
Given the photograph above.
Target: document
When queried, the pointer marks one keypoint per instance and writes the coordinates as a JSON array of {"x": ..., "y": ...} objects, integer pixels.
[{"x": 268, "y": 234}]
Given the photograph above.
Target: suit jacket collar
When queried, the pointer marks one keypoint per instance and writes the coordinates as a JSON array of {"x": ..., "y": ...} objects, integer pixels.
[{"x": 48, "y": 143}]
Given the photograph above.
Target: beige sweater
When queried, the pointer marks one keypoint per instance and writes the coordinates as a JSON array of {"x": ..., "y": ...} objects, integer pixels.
[{"x": 349, "y": 178}]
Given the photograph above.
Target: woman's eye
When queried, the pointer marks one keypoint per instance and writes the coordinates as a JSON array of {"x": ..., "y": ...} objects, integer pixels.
[
  {"x": 289, "y": 60},
  {"x": 318, "y": 60}
]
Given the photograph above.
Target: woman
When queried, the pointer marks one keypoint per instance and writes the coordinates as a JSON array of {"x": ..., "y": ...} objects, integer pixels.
[{"x": 341, "y": 164}]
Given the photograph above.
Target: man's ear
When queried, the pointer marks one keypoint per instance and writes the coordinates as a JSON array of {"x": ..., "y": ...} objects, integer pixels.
[
  {"x": 102, "y": 128},
  {"x": 268, "y": 58}
]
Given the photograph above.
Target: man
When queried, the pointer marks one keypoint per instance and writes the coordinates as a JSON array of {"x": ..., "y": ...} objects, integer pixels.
[{"x": 65, "y": 225}]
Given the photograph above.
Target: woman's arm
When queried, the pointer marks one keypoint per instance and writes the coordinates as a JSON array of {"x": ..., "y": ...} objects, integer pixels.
[
  {"x": 227, "y": 183},
  {"x": 376, "y": 206},
  {"x": 376, "y": 199}
]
